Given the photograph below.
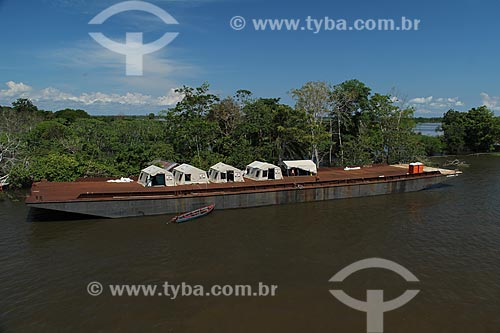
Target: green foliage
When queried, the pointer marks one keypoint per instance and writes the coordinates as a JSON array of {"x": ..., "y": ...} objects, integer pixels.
[
  {"x": 351, "y": 97},
  {"x": 432, "y": 145},
  {"x": 196, "y": 102},
  {"x": 384, "y": 133},
  {"x": 351, "y": 126},
  {"x": 70, "y": 116},
  {"x": 24, "y": 105},
  {"x": 96, "y": 169},
  {"x": 357, "y": 151},
  {"x": 314, "y": 99},
  {"x": 336, "y": 125},
  {"x": 15, "y": 125},
  {"x": 476, "y": 130},
  {"x": 227, "y": 114},
  {"x": 189, "y": 128},
  {"x": 206, "y": 159},
  {"x": 239, "y": 152},
  {"x": 47, "y": 136},
  {"x": 275, "y": 131},
  {"x": 420, "y": 120},
  {"x": 53, "y": 167},
  {"x": 20, "y": 176},
  {"x": 454, "y": 127},
  {"x": 480, "y": 129}
]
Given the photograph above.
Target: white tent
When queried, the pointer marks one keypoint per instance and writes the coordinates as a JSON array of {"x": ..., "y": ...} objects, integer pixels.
[
  {"x": 263, "y": 171},
  {"x": 185, "y": 174},
  {"x": 223, "y": 173},
  {"x": 300, "y": 167},
  {"x": 156, "y": 176}
]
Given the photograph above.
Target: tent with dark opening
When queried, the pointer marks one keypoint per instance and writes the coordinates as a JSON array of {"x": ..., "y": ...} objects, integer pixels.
[
  {"x": 263, "y": 171},
  {"x": 186, "y": 174},
  {"x": 223, "y": 173},
  {"x": 300, "y": 168},
  {"x": 155, "y": 176}
]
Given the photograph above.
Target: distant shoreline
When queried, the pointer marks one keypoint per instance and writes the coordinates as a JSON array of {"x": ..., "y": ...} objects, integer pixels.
[{"x": 433, "y": 120}]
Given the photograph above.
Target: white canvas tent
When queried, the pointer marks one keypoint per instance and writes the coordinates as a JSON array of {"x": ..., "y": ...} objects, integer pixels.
[
  {"x": 185, "y": 174},
  {"x": 300, "y": 167},
  {"x": 156, "y": 176},
  {"x": 263, "y": 171},
  {"x": 223, "y": 173}
]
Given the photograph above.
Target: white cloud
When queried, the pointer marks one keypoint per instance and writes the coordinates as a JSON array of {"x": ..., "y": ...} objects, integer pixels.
[
  {"x": 102, "y": 67},
  {"x": 492, "y": 102},
  {"x": 436, "y": 105},
  {"x": 450, "y": 101},
  {"x": 170, "y": 98},
  {"x": 421, "y": 100},
  {"x": 52, "y": 94},
  {"x": 17, "y": 90}
]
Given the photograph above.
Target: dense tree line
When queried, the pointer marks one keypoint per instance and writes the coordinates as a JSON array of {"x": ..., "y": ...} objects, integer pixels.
[
  {"x": 420, "y": 120},
  {"x": 335, "y": 125},
  {"x": 474, "y": 131}
]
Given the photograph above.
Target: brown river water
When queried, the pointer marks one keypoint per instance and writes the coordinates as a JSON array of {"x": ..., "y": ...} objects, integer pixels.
[{"x": 448, "y": 237}]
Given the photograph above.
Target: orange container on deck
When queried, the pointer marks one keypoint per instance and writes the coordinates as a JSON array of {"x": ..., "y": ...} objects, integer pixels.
[
  {"x": 415, "y": 168},
  {"x": 411, "y": 169}
]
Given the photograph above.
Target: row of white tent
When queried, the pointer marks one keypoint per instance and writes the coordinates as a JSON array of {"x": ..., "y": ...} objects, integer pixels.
[{"x": 186, "y": 174}]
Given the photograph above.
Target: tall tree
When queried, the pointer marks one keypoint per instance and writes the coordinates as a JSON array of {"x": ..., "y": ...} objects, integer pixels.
[
  {"x": 314, "y": 99},
  {"x": 227, "y": 114},
  {"x": 24, "y": 105},
  {"x": 190, "y": 129},
  {"x": 475, "y": 130},
  {"x": 454, "y": 128},
  {"x": 289, "y": 134},
  {"x": 348, "y": 99},
  {"x": 258, "y": 126},
  {"x": 15, "y": 123},
  {"x": 196, "y": 101},
  {"x": 480, "y": 129},
  {"x": 392, "y": 131}
]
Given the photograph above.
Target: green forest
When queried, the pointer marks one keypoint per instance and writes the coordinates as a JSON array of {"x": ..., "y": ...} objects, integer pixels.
[{"x": 334, "y": 125}]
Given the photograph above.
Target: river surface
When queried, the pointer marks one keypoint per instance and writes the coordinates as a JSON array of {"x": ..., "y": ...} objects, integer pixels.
[
  {"x": 430, "y": 129},
  {"x": 448, "y": 237}
]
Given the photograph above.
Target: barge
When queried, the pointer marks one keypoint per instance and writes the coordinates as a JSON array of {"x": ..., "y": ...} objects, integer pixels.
[{"x": 116, "y": 200}]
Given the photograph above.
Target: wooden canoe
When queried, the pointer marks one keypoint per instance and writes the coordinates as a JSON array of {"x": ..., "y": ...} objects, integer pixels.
[{"x": 193, "y": 214}]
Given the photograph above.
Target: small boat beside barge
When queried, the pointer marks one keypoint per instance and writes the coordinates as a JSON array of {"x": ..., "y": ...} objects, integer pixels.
[
  {"x": 193, "y": 214},
  {"x": 116, "y": 200}
]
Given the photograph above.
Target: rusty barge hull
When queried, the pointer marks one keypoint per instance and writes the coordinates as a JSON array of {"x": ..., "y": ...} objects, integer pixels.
[{"x": 127, "y": 203}]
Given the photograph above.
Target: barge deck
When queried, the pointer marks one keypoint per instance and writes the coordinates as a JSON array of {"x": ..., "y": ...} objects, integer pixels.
[{"x": 100, "y": 198}]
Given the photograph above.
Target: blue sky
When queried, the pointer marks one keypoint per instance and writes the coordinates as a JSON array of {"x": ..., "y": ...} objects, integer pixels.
[{"x": 47, "y": 55}]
